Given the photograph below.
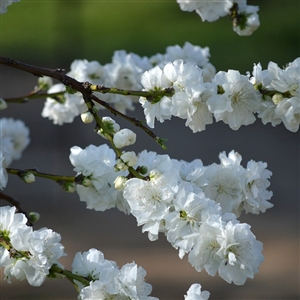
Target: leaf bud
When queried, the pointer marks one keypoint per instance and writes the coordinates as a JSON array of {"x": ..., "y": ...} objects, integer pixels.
[{"x": 33, "y": 217}]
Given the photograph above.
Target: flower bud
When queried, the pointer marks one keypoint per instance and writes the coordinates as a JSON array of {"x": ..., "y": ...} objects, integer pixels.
[
  {"x": 28, "y": 177},
  {"x": 120, "y": 166},
  {"x": 142, "y": 170},
  {"x": 120, "y": 183},
  {"x": 129, "y": 158},
  {"x": 33, "y": 217},
  {"x": 69, "y": 187},
  {"x": 87, "y": 117},
  {"x": 277, "y": 98},
  {"x": 124, "y": 137}
]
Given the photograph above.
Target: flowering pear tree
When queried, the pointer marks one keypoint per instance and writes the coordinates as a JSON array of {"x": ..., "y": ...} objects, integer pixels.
[{"x": 196, "y": 207}]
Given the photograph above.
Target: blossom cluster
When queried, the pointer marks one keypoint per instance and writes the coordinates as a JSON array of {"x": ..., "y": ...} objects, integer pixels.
[
  {"x": 107, "y": 281},
  {"x": 29, "y": 254},
  {"x": 231, "y": 97},
  {"x": 14, "y": 139},
  {"x": 195, "y": 206},
  {"x": 281, "y": 94},
  {"x": 245, "y": 17},
  {"x": 196, "y": 92},
  {"x": 26, "y": 253},
  {"x": 124, "y": 72}
]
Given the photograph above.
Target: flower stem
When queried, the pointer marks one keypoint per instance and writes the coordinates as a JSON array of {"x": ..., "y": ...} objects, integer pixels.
[{"x": 35, "y": 172}]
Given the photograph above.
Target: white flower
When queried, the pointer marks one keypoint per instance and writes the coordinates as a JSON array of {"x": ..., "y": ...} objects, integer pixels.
[
  {"x": 284, "y": 106},
  {"x": 92, "y": 264},
  {"x": 289, "y": 111},
  {"x": 124, "y": 137},
  {"x": 208, "y": 10},
  {"x": 195, "y": 293},
  {"x": 248, "y": 17},
  {"x": 45, "y": 249},
  {"x": 255, "y": 188},
  {"x": 4, "y": 4},
  {"x": 131, "y": 283},
  {"x": 285, "y": 80},
  {"x": 240, "y": 252},
  {"x": 64, "y": 108},
  {"x": 188, "y": 53},
  {"x": 189, "y": 212},
  {"x": 84, "y": 70},
  {"x": 108, "y": 282},
  {"x": 149, "y": 203},
  {"x": 223, "y": 185},
  {"x": 97, "y": 164},
  {"x": 14, "y": 138},
  {"x": 125, "y": 73},
  {"x": 237, "y": 100},
  {"x": 205, "y": 252},
  {"x": 32, "y": 253},
  {"x": 155, "y": 80}
]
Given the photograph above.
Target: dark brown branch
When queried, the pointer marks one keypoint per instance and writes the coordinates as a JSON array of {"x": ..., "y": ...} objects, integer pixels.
[{"x": 82, "y": 87}]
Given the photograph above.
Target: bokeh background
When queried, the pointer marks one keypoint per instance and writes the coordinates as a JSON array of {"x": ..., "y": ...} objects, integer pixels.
[{"x": 53, "y": 34}]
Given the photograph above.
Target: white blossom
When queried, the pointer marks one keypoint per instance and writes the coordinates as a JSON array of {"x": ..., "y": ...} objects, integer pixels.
[
  {"x": 96, "y": 163},
  {"x": 237, "y": 100},
  {"x": 63, "y": 108},
  {"x": 240, "y": 252},
  {"x": 131, "y": 283},
  {"x": 195, "y": 293},
  {"x": 208, "y": 10},
  {"x": 190, "y": 210},
  {"x": 32, "y": 253},
  {"x": 124, "y": 137},
  {"x": 155, "y": 80},
  {"x": 14, "y": 139},
  {"x": 255, "y": 188},
  {"x": 248, "y": 18}
]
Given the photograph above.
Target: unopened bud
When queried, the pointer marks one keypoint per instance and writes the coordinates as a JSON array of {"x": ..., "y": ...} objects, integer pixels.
[
  {"x": 28, "y": 177},
  {"x": 124, "y": 137},
  {"x": 33, "y": 217},
  {"x": 120, "y": 183},
  {"x": 142, "y": 170},
  {"x": 87, "y": 117},
  {"x": 69, "y": 187},
  {"x": 129, "y": 158},
  {"x": 277, "y": 98},
  {"x": 120, "y": 166}
]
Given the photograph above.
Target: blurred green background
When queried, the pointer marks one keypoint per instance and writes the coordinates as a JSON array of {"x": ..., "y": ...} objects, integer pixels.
[
  {"x": 53, "y": 34},
  {"x": 60, "y": 31}
]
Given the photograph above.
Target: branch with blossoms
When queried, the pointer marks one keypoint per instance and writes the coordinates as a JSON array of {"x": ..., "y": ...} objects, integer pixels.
[{"x": 196, "y": 207}]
